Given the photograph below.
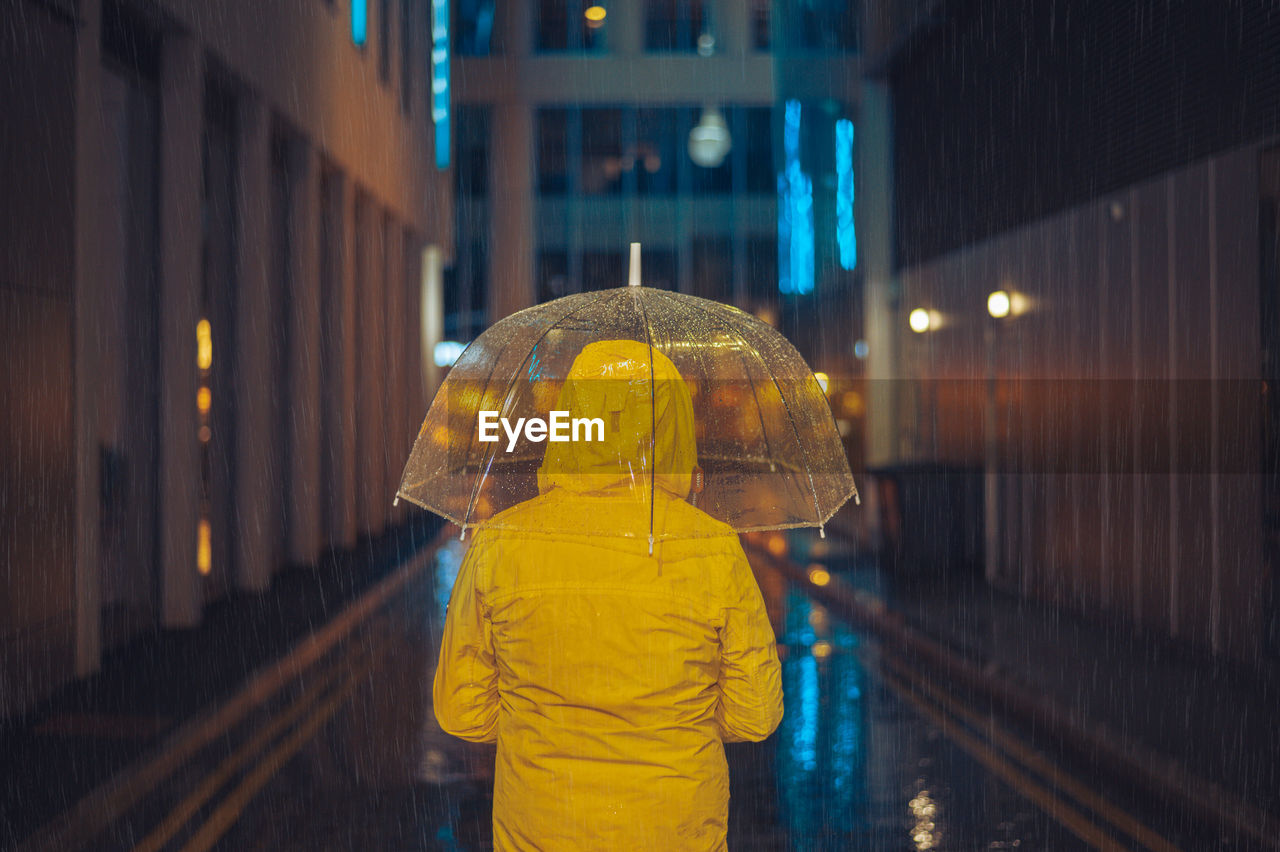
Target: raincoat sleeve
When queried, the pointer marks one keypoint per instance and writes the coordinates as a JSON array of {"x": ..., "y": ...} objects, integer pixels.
[
  {"x": 465, "y": 692},
  {"x": 750, "y": 681}
]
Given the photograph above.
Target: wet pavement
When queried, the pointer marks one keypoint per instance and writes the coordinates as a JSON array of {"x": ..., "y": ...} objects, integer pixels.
[{"x": 871, "y": 754}]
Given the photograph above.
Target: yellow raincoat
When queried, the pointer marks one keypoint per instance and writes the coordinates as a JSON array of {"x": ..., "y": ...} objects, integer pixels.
[{"x": 610, "y": 677}]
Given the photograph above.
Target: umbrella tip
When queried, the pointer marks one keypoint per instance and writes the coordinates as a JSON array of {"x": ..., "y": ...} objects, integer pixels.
[
  {"x": 395, "y": 502},
  {"x": 633, "y": 276}
]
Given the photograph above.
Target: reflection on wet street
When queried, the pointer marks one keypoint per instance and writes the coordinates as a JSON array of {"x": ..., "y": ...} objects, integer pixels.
[{"x": 352, "y": 758}]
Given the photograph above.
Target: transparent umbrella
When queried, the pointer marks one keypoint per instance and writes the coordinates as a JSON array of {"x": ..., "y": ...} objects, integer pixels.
[{"x": 583, "y": 391}]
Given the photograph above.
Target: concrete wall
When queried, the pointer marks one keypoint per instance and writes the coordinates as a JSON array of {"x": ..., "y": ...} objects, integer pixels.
[{"x": 1128, "y": 443}]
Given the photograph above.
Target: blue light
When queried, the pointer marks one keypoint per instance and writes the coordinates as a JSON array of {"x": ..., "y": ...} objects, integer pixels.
[
  {"x": 846, "y": 234},
  {"x": 440, "y": 79},
  {"x": 447, "y": 352},
  {"x": 359, "y": 21},
  {"x": 795, "y": 212}
]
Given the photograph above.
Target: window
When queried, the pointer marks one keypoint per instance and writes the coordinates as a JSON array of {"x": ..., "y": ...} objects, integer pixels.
[
  {"x": 473, "y": 27},
  {"x": 654, "y": 154},
  {"x": 601, "y": 172},
  {"x": 761, "y": 172},
  {"x": 384, "y": 40},
  {"x": 406, "y": 55},
  {"x": 472, "y": 172},
  {"x": 602, "y": 270},
  {"x": 464, "y": 293},
  {"x": 553, "y": 275},
  {"x": 658, "y": 269},
  {"x": 570, "y": 25},
  {"x": 823, "y": 25},
  {"x": 712, "y": 268},
  {"x": 760, "y": 35},
  {"x": 553, "y": 151},
  {"x": 761, "y": 269},
  {"x": 673, "y": 25}
]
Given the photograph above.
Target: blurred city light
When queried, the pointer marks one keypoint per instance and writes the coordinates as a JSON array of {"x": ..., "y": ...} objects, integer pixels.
[
  {"x": 824, "y": 381},
  {"x": 446, "y": 352},
  {"x": 439, "y": 78},
  {"x": 204, "y": 547},
  {"x": 846, "y": 235},
  {"x": 359, "y": 22},
  {"x": 709, "y": 140},
  {"x": 795, "y": 212},
  {"x": 919, "y": 320},
  {"x": 998, "y": 304},
  {"x": 595, "y": 16},
  {"x": 204, "y": 345},
  {"x": 860, "y": 350},
  {"x": 819, "y": 576}
]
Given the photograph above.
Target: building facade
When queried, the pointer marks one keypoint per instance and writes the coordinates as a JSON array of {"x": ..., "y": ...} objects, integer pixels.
[
  {"x": 1112, "y": 168},
  {"x": 574, "y": 123},
  {"x": 220, "y": 222}
]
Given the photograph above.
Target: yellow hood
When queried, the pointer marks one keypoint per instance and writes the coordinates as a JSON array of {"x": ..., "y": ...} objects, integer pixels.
[{"x": 613, "y": 380}]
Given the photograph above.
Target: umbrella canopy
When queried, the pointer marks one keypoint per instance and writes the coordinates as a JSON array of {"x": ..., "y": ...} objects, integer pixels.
[{"x": 640, "y": 394}]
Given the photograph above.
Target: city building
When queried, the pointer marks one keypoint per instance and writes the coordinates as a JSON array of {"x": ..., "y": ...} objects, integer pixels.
[
  {"x": 223, "y": 231},
  {"x": 1091, "y": 267},
  {"x": 703, "y": 129}
]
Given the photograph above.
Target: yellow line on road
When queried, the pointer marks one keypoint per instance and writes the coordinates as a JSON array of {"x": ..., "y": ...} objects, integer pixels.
[
  {"x": 251, "y": 748},
  {"x": 1075, "y": 821},
  {"x": 234, "y": 804},
  {"x": 89, "y": 817},
  {"x": 1038, "y": 763}
]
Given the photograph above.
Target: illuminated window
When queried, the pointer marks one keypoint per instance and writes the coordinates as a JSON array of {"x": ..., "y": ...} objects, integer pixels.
[
  {"x": 440, "y": 79},
  {"x": 359, "y": 22},
  {"x": 570, "y": 25},
  {"x": 795, "y": 212},
  {"x": 473, "y": 27},
  {"x": 846, "y": 236}
]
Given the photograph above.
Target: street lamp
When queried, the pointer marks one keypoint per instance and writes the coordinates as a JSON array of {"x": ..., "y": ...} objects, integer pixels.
[
  {"x": 709, "y": 140},
  {"x": 922, "y": 321},
  {"x": 998, "y": 304},
  {"x": 1001, "y": 304}
]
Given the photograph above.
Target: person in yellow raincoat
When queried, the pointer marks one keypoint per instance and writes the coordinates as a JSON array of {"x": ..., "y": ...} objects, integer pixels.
[{"x": 610, "y": 677}]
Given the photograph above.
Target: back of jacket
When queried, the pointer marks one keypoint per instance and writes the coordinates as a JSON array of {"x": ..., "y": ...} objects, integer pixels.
[{"x": 609, "y": 677}]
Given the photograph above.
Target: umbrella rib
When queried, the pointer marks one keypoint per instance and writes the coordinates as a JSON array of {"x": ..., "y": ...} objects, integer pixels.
[
  {"x": 506, "y": 398},
  {"x": 653, "y": 420},
  {"x": 813, "y": 489}
]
